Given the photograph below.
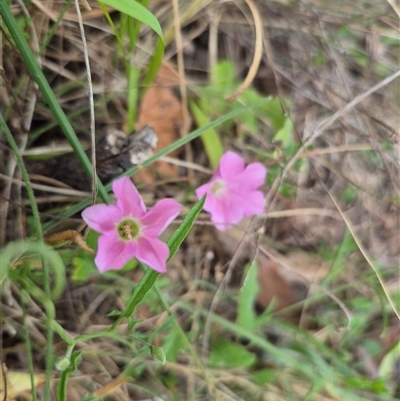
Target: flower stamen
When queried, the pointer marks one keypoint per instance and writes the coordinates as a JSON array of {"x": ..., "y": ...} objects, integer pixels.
[
  {"x": 218, "y": 188},
  {"x": 127, "y": 231}
]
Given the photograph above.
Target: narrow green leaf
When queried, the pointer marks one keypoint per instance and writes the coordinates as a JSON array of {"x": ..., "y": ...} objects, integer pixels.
[
  {"x": 133, "y": 95},
  {"x": 155, "y": 63},
  {"x": 137, "y": 11},
  {"x": 180, "y": 234},
  {"x": 210, "y": 138},
  {"x": 151, "y": 276}
]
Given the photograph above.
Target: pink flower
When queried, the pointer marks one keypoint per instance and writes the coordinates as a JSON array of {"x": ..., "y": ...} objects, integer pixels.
[
  {"x": 232, "y": 192},
  {"x": 128, "y": 230}
]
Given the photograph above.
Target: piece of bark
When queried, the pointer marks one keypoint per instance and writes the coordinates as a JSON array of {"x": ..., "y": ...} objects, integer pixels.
[{"x": 115, "y": 153}]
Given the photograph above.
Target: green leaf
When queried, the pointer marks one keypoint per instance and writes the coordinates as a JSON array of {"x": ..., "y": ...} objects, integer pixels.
[
  {"x": 83, "y": 268},
  {"x": 137, "y": 11},
  {"x": 263, "y": 376},
  {"x": 226, "y": 353},
  {"x": 180, "y": 234},
  {"x": 155, "y": 63},
  {"x": 247, "y": 297},
  {"x": 223, "y": 77},
  {"x": 158, "y": 354},
  {"x": 285, "y": 134},
  {"x": 211, "y": 141},
  {"x": 272, "y": 110},
  {"x": 173, "y": 343},
  {"x": 114, "y": 313},
  {"x": 387, "y": 365}
]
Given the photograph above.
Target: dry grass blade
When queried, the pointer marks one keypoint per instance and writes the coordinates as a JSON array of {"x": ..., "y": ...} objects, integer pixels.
[
  {"x": 46, "y": 188},
  {"x": 90, "y": 98},
  {"x": 258, "y": 50},
  {"x": 395, "y": 7},
  {"x": 182, "y": 84},
  {"x": 365, "y": 254}
]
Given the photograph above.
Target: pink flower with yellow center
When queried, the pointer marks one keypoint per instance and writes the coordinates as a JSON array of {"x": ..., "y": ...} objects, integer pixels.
[
  {"x": 232, "y": 192},
  {"x": 128, "y": 230}
]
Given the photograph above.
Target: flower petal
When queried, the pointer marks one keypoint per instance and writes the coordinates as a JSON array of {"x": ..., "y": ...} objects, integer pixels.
[
  {"x": 251, "y": 178},
  {"x": 113, "y": 253},
  {"x": 153, "y": 252},
  {"x": 102, "y": 218},
  {"x": 250, "y": 204},
  {"x": 223, "y": 212},
  {"x": 204, "y": 189},
  {"x": 128, "y": 198},
  {"x": 230, "y": 165},
  {"x": 160, "y": 216}
]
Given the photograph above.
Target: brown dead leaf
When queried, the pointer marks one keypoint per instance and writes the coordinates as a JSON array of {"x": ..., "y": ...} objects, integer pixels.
[
  {"x": 162, "y": 110},
  {"x": 273, "y": 287},
  {"x": 167, "y": 75},
  {"x": 69, "y": 235}
]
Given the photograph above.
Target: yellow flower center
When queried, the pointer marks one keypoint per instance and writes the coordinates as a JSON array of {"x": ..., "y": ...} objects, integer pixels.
[
  {"x": 128, "y": 229},
  {"x": 218, "y": 188}
]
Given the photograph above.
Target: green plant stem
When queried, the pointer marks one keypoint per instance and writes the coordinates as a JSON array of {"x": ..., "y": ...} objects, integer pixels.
[
  {"x": 61, "y": 332},
  {"x": 48, "y": 94},
  {"x": 25, "y": 177},
  {"x": 28, "y": 345},
  {"x": 91, "y": 336},
  {"x": 36, "y": 293}
]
